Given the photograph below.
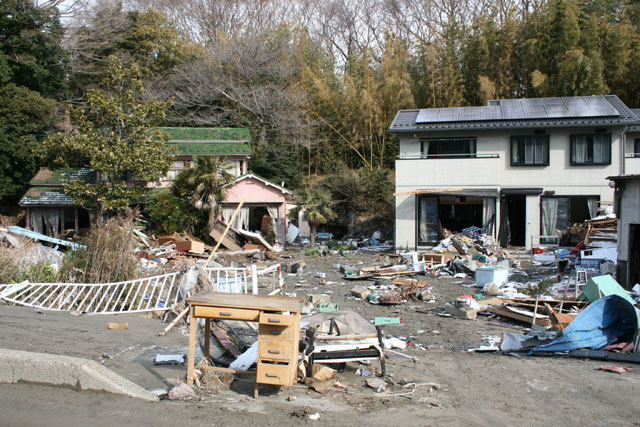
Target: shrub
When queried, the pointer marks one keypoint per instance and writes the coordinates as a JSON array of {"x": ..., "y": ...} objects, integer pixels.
[
  {"x": 109, "y": 257},
  {"x": 169, "y": 213}
]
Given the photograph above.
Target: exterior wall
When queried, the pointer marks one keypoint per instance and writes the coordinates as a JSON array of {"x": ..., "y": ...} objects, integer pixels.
[
  {"x": 631, "y": 159},
  {"x": 628, "y": 212},
  {"x": 255, "y": 192},
  {"x": 492, "y": 170}
]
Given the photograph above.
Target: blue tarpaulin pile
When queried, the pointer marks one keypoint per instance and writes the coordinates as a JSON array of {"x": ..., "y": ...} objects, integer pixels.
[{"x": 603, "y": 322}]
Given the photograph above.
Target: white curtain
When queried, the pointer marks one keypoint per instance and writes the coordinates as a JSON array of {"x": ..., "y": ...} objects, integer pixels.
[
  {"x": 549, "y": 216},
  {"x": 592, "y": 203},
  {"x": 423, "y": 225},
  {"x": 488, "y": 215},
  {"x": 275, "y": 222},
  {"x": 579, "y": 149},
  {"x": 227, "y": 213},
  {"x": 242, "y": 219}
]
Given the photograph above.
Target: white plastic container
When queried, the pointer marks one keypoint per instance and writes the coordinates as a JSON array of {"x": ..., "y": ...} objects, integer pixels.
[{"x": 497, "y": 275}]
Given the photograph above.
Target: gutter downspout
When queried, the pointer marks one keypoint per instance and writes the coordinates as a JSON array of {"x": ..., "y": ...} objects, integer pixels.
[{"x": 623, "y": 150}]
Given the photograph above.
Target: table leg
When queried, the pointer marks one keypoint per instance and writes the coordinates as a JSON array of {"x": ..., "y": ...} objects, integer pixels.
[
  {"x": 255, "y": 390},
  {"x": 193, "y": 331},
  {"x": 207, "y": 338}
]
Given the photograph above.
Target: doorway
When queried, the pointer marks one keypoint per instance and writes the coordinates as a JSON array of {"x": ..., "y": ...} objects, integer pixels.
[
  {"x": 633, "y": 261},
  {"x": 513, "y": 223}
]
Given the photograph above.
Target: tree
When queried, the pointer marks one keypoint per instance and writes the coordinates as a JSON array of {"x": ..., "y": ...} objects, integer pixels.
[
  {"x": 206, "y": 183},
  {"x": 25, "y": 116},
  {"x": 30, "y": 38},
  {"x": 146, "y": 38},
  {"x": 31, "y": 72},
  {"x": 115, "y": 136},
  {"x": 316, "y": 201}
]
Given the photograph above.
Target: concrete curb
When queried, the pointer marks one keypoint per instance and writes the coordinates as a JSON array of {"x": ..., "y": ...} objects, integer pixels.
[{"x": 81, "y": 374}]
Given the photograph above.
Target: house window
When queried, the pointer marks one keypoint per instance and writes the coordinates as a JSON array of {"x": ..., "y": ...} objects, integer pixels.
[
  {"x": 449, "y": 147},
  {"x": 530, "y": 150},
  {"x": 636, "y": 147},
  {"x": 591, "y": 149}
]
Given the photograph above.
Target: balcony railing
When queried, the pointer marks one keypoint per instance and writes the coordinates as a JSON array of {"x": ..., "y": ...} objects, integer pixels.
[{"x": 405, "y": 156}]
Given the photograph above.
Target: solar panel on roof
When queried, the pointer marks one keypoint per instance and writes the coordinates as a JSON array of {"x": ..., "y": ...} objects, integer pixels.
[
  {"x": 492, "y": 112},
  {"x": 533, "y": 108},
  {"x": 523, "y": 109},
  {"x": 428, "y": 115},
  {"x": 576, "y": 107},
  {"x": 471, "y": 113},
  {"x": 600, "y": 106},
  {"x": 512, "y": 109},
  {"x": 555, "y": 107},
  {"x": 449, "y": 114}
]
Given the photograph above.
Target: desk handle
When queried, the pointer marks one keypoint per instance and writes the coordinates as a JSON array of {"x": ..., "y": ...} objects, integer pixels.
[
  {"x": 274, "y": 352},
  {"x": 276, "y": 332},
  {"x": 274, "y": 320},
  {"x": 225, "y": 313},
  {"x": 272, "y": 375}
]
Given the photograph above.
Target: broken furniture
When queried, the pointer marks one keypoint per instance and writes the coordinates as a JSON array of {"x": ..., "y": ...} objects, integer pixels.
[
  {"x": 278, "y": 332},
  {"x": 343, "y": 348}
]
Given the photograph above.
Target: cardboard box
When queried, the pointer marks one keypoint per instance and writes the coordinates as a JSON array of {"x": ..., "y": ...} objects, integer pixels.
[{"x": 190, "y": 246}]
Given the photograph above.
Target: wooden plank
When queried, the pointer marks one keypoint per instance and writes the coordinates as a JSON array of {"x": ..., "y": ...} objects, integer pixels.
[
  {"x": 518, "y": 317},
  {"x": 226, "y": 370},
  {"x": 433, "y": 190},
  {"x": 345, "y": 337},
  {"x": 220, "y": 236},
  {"x": 224, "y": 341},
  {"x": 118, "y": 325},
  {"x": 192, "y": 347},
  {"x": 250, "y": 301}
]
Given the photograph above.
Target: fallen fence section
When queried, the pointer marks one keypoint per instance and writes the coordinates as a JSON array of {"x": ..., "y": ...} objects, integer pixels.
[
  {"x": 155, "y": 293},
  {"x": 235, "y": 280}
]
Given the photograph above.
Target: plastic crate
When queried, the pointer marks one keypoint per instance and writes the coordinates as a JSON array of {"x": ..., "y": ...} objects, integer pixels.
[{"x": 472, "y": 232}]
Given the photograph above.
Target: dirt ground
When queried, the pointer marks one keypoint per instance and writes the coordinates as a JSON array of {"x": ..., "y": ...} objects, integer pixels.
[{"x": 475, "y": 388}]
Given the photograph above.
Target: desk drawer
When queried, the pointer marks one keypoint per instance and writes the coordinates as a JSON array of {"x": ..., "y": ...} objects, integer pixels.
[
  {"x": 275, "y": 350},
  {"x": 269, "y": 373},
  {"x": 227, "y": 313},
  {"x": 270, "y": 332},
  {"x": 276, "y": 319}
]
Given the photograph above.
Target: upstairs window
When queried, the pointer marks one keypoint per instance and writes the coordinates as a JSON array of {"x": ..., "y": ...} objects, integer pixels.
[
  {"x": 449, "y": 147},
  {"x": 530, "y": 150},
  {"x": 636, "y": 148},
  {"x": 591, "y": 149}
]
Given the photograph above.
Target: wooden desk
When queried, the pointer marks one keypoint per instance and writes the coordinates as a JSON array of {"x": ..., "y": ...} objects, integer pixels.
[{"x": 278, "y": 332}]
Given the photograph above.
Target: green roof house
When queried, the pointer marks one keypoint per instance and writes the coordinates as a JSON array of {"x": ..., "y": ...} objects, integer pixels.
[{"x": 234, "y": 144}]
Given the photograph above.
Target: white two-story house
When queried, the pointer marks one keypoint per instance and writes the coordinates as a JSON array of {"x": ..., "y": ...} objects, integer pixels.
[{"x": 518, "y": 168}]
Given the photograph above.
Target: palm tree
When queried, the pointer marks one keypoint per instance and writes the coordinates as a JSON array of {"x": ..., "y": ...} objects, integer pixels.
[
  {"x": 318, "y": 205},
  {"x": 208, "y": 180}
]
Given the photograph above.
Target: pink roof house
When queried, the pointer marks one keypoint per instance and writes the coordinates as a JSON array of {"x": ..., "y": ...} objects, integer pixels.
[{"x": 261, "y": 198}]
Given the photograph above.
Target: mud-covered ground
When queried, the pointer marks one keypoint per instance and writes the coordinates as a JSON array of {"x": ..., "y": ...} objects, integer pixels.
[{"x": 474, "y": 388}]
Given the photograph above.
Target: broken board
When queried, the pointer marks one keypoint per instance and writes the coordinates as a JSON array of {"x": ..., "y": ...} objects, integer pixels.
[{"x": 232, "y": 240}]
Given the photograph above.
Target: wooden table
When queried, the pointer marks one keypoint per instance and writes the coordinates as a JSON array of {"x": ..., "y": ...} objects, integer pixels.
[{"x": 278, "y": 332}]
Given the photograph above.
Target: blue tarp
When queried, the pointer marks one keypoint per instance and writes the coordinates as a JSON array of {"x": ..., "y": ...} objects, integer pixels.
[
  {"x": 598, "y": 325},
  {"x": 37, "y": 236}
]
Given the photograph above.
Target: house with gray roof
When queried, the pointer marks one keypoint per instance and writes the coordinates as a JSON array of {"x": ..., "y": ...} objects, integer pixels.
[
  {"x": 517, "y": 168},
  {"x": 50, "y": 211}
]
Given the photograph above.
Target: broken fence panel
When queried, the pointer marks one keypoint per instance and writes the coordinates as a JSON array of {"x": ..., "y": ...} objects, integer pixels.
[
  {"x": 234, "y": 279},
  {"x": 132, "y": 296}
]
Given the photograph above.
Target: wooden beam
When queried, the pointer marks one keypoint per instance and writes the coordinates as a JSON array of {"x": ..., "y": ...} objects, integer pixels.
[{"x": 430, "y": 191}]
